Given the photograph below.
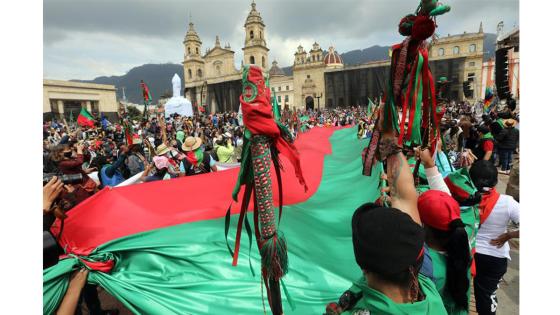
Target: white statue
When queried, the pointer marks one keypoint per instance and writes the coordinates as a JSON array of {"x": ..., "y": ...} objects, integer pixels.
[
  {"x": 178, "y": 104},
  {"x": 176, "y": 81}
]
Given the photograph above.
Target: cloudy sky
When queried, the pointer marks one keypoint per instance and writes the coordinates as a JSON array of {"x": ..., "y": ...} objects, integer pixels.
[{"x": 83, "y": 39}]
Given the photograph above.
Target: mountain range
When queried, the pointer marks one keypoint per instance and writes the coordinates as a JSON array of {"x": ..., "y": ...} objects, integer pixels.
[{"x": 158, "y": 76}]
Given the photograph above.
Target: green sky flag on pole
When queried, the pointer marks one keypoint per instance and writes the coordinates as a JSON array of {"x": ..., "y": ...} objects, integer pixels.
[{"x": 369, "y": 107}]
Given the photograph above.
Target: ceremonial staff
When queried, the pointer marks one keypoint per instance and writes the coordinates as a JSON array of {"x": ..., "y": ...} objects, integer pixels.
[
  {"x": 265, "y": 137},
  {"x": 411, "y": 87}
]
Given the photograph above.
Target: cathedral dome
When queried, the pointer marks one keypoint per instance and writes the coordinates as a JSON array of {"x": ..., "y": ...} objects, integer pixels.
[
  {"x": 332, "y": 58},
  {"x": 276, "y": 71}
]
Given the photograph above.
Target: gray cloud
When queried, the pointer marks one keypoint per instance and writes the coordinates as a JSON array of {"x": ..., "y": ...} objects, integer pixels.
[{"x": 132, "y": 32}]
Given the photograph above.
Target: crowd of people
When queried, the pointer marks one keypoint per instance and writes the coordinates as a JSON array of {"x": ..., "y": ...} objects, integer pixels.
[
  {"x": 423, "y": 241},
  {"x": 417, "y": 254}
]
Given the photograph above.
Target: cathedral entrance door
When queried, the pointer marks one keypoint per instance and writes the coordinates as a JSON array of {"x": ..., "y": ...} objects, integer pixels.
[{"x": 309, "y": 103}]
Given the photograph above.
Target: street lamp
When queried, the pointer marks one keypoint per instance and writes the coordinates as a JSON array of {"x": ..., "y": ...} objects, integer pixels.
[{"x": 318, "y": 97}]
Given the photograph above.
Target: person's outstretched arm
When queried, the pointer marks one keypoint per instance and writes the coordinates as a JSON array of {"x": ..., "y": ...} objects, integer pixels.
[
  {"x": 434, "y": 177},
  {"x": 401, "y": 182},
  {"x": 111, "y": 169},
  {"x": 70, "y": 301}
]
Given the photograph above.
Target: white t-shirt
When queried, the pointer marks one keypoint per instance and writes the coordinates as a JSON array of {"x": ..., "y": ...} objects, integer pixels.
[{"x": 496, "y": 224}]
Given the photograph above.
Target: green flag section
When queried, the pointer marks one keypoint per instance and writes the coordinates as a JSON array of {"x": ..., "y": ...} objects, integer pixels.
[
  {"x": 85, "y": 119},
  {"x": 186, "y": 268},
  {"x": 369, "y": 108}
]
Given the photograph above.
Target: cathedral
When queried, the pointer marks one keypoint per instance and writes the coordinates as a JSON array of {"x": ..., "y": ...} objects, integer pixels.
[
  {"x": 213, "y": 81},
  {"x": 319, "y": 78}
]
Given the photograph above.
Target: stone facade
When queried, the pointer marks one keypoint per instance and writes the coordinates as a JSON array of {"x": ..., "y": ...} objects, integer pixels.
[
  {"x": 62, "y": 97},
  {"x": 470, "y": 47},
  {"x": 309, "y": 76},
  {"x": 283, "y": 88},
  {"x": 212, "y": 79}
]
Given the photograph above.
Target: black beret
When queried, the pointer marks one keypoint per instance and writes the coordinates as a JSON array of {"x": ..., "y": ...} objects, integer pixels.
[{"x": 386, "y": 240}]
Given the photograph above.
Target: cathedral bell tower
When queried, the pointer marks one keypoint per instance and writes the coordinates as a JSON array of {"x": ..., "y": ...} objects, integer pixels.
[
  {"x": 255, "y": 50},
  {"x": 193, "y": 65}
]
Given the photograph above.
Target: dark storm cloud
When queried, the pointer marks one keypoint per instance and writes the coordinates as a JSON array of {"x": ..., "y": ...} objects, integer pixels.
[
  {"x": 167, "y": 18},
  {"x": 101, "y": 26},
  {"x": 161, "y": 19}
]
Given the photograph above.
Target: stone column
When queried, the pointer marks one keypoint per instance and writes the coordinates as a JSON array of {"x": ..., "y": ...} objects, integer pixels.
[
  {"x": 88, "y": 106},
  {"x": 60, "y": 106},
  {"x": 60, "y": 109}
]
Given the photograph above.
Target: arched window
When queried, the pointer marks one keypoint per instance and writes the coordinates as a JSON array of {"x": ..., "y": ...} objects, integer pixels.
[
  {"x": 262, "y": 59},
  {"x": 199, "y": 73},
  {"x": 252, "y": 60},
  {"x": 260, "y": 35},
  {"x": 189, "y": 50},
  {"x": 456, "y": 50},
  {"x": 472, "y": 48},
  {"x": 251, "y": 35},
  {"x": 441, "y": 52},
  {"x": 190, "y": 74},
  {"x": 313, "y": 58},
  {"x": 197, "y": 50}
]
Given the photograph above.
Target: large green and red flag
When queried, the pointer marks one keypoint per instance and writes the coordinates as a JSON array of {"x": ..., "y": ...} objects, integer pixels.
[
  {"x": 85, "y": 119},
  {"x": 159, "y": 247}
]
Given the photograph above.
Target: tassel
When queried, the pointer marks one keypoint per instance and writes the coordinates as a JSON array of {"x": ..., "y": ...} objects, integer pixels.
[{"x": 274, "y": 256}]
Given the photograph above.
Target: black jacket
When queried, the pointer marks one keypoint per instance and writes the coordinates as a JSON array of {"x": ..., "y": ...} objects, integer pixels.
[{"x": 508, "y": 138}]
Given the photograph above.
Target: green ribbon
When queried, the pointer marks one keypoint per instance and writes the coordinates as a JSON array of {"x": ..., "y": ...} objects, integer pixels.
[{"x": 415, "y": 136}]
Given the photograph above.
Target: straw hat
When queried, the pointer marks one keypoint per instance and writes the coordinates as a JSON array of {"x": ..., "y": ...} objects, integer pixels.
[
  {"x": 510, "y": 122},
  {"x": 162, "y": 149},
  {"x": 191, "y": 143}
]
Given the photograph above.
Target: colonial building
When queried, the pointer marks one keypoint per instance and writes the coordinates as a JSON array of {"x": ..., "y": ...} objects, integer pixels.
[
  {"x": 282, "y": 86},
  {"x": 60, "y": 98},
  {"x": 464, "y": 53},
  {"x": 306, "y": 87},
  {"x": 319, "y": 78}
]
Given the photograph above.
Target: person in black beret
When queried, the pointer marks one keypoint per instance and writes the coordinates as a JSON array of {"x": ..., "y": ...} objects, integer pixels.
[{"x": 388, "y": 247}]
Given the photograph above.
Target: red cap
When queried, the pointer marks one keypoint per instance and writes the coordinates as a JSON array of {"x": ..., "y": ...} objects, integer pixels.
[{"x": 437, "y": 209}]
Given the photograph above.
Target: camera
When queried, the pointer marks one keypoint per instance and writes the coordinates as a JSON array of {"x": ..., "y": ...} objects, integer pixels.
[{"x": 66, "y": 179}]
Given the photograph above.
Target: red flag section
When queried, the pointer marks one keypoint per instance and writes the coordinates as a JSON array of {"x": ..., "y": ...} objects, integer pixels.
[
  {"x": 117, "y": 212},
  {"x": 85, "y": 119}
]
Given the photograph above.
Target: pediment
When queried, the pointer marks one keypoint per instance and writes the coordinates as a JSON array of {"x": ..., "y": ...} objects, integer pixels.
[{"x": 218, "y": 51}]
